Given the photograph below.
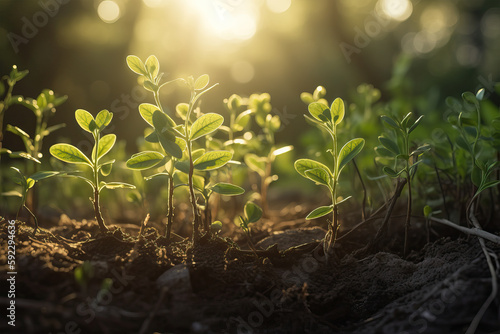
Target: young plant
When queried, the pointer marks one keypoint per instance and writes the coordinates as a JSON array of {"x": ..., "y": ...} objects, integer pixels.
[
  {"x": 261, "y": 107},
  {"x": 172, "y": 137},
  {"x": 328, "y": 118},
  {"x": 71, "y": 154},
  {"x": 396, "y": 145},
  {"x": 26, "y": 184},
  {"x": 252, "y": 214}
]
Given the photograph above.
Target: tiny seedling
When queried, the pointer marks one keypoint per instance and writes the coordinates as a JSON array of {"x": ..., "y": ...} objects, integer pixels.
[
  {"x": 328, "y": 118},
  {"x": 26, "y": 183},
  {"x": 102, "y": 145},
  {"x": 260, "y": 106},
  {"x": 252, "y": 213},
  {"x": 396, "y": 145}
]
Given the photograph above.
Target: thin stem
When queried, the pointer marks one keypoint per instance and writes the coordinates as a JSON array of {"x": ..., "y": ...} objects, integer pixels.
[
  {"x": 34, "y": 217},
  {"x": 170, "y": 200},
  {"x": 97, "y": 208},
  {"x": 408, "y": 216}
]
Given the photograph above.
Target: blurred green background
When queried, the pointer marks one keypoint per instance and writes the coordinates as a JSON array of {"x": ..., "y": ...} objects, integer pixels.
[{"x": 417, "y": 51}]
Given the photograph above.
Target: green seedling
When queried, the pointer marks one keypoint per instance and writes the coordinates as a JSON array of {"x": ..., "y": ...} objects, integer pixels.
[
  {"x": 175, "y": 139},
  {"x": 102, "y": 145},
  {"x": 260, "y": 106},
  {"x": 396, "y": 145},
  {"x": 327, "y": 119},
  {"x": 11, "y": 79},
  {"x": 43, "y": 107},
  {"x": 252, "y": 213},
  {"x": 26, "y": 183}
]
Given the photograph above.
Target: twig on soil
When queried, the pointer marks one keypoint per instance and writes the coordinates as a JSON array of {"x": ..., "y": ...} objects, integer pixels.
[
  {"x": 494, "y": 283},
  {"x": 478, "y": 232},
  {"x": 147, "y": 322}
]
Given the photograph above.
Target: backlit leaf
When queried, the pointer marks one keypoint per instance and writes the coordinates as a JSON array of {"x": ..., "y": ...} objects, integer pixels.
[
  {"x": 212, "y": 160},
  {"x": 319, "y": 212},
  {"x": 227, "y": 189},
  {"x": 144, "y": 160},
  {"x": 84, "y": 118},
  {"x": 106, "y": 143},
  {"x": 69, "y": 153},
  {"x": 320, "y": 112},
  {"x": 349, "y": 151},
  {"x": 319, "y": 175},
  {"x": 136, "y": 65},
  {"x": 204, "y": 125},
  {"x": 201, "y": 82},
  {"x": 252, "y": 212},
  {"x": 302, "y": 165},
  {"x": 338, "y": 110}
]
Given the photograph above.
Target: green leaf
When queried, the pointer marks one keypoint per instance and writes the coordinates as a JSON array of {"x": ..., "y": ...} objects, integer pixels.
[
  {"x": 182, "y": 110},
  {"x": 389, "y": 144},
  {"x": 149, "y": 86},
  {"x": 106, "y": 143},
  {"x": 204, "y": 125},
  {"x": 227, "y": 189},
  {"x": 106, "y": 168},
  {"x": 338, "y": 110},
  {"x": 147, "y": 110},
  {"x": 201, "y": 82},
  {"x": 252, "y": 212},
  {"x": 167, "y": 142},
  {"x": 391, "y": 172},
  {"x": 242, "y": 120},
  {"x": 470, "y": 98},
  {"x": 256, "y": 163},
  {"x": 319, "y": 175},
  {"x": 417, "y": 122},
  {"x": 144, "y": 160},
  {"x": 480, "y": 94},
  {"x": 41, "y": 101},
  {"x": 302, "y": 165},
  {"x": 216, "y": 227},
  {"x": 320, "y": 112},
  {"x": 427, "y": 211},
  {"x": 349, "y": 151},
  {"x": 69, "y": 153},
  {"x": 152, "y": 138},
  {"x": 103, "y": 119},
  {"x": 152, "y": 66},
  {"x": 136, "y": 65},
  {"x": 212, "y": 160},
  {"x": 44, "y": 175},
  {"x": 320, "y": 212},
  {"x": 84, "y": 118},
  {"x": 391, "y": 122},
  {"x": 162, "y": 121},
  {"x": 116, "y": 185},
  {"x": 24, "y": 155}
]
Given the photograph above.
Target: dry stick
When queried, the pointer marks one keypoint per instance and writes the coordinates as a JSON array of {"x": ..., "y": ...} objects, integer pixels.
[
  {"x": 383, "y": 229},
  {"x": 147, "y": 322},
  {"x": 494, "y": 284},
  {"x": 478, "y": 232},
  {"x": 364, "y": 189}
]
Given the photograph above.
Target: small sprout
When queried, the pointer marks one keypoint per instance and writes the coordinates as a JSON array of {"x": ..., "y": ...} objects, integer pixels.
[
  {"x": 216, "y": 227},
  {"x": 102, "y": 145},
  {"x": 327, "y": 118},
  {"x": 252, "y": 213}
]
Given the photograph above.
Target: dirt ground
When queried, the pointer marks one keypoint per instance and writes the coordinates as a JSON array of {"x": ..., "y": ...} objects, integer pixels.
[{"x": 72, "y": 279}]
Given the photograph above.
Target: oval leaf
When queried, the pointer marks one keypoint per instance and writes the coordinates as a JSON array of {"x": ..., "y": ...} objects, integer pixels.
[
  {"x": 117, "y": 185},
  {"x": 252, "y": 212},
  {"x": 106, "y": 143},
  {"x": 319, "y": 175},
  {"x": 106, "y": 168},
  {"x": 227, "y": 189},
  {"x": 212, "y": 160},
  {"x": 303, "y": 165},
  {"x": 320, "y": 112},
  {"x": 152, "y": 66},
  {"x": 256, "y": 163},
  {"x": 319, "y": 212},
  {"x": 136, "y": 65},
  {"x": 167, "y": 142},
  {"x": 338, "y": 110},
  {"x": 84, "y": 118},
  {"x": 201, "y": 82},
  {"x": 69, "y": 153},
  {"x": 389, "y": 144},
  {"x": 204, "y": 125},
  {"x": 349, "y": 151},
  {"x": 103, "y": 119},
  {"x": 147, "y": 110},
  {"x": 144, "y": 160}
]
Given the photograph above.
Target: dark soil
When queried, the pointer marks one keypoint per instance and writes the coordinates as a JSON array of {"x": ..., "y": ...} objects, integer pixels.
[{"x": 144, "y": 285}]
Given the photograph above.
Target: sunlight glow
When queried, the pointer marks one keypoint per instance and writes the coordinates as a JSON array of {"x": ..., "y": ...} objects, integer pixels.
[
  {"x": 242, "y": 71},
  {"x": 398, "y": 10},
  {"x": 278, "y": 6},
  {"x": 108, "y": 11},
  {"x": 230, "y": 20},
  {"x": 154, "y": 3}
]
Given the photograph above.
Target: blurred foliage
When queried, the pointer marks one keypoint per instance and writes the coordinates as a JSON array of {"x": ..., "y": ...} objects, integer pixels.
[{"x": 382, "y": 56}]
